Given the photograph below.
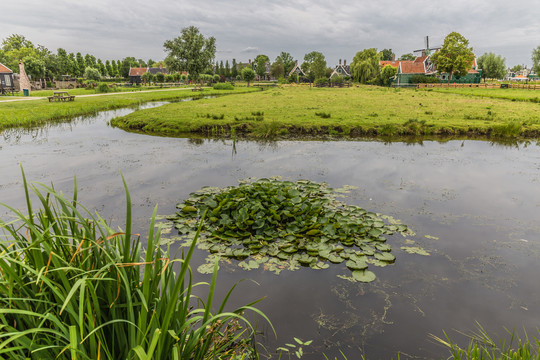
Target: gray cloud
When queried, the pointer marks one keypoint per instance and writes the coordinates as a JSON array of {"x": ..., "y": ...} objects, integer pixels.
[{"x": 113, "y": 30}]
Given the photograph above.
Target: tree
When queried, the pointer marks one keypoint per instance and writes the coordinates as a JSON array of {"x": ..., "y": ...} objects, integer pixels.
[
  {"x": 248, "y": 74},
  {"x": 34, "y": 67},
  {"x": 408, "y": 56},
  {"x": 276, "y": 70},
  {"x": 260, "y": 65},
  {"x": 62, "y": 61},
  {"x": 160, "y": 77},
  {"x": 536, "y": 60},
  {"x": 287, "y": 61},
  {"x": 91, "y": 73},
  {"x": 109, "y": 68},
  {"x": 387, "y": 72},
  {"x": 314, "y": 65},
  {"x": 234, "y": 69},
  {"x": 493, "y": 66},
  {"x": 387, "y": 54},
  {"x": 80, "y": 63},
  {"x": 365, "y": 65},
  {"x": 16, "y": 42},
  {"x": 227, "y": 69},
  {"x": 517, "y": 68},
  {"x": 190, "y": 52},
  {"x": 455, "y": 57}
]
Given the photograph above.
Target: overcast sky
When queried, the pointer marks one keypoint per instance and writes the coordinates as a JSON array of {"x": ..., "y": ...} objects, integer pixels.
[{"x": 245, "y": 28}]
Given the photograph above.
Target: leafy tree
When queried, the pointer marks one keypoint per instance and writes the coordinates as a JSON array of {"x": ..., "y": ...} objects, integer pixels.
[
  {"x": 160, "y": 77},
  {"x": 14, "y": 48},
  {"x": 493, "y": 66},
  {"x": 260, "y": 65},
  {"x": 455, "y": 57},
  {"x": 62, "y": 61},
  {"x": 150, "y": 63},
  {"x": 108, "y": 67},
  {"x": 387, "y": 72},
  {"x": 91, "y": 73},
  {"x": 365, "y": 65},
  {"x": 221, "y": 68},
  {"x": 234, "y": 69},
  {"x": 190, "y": 52},
  {"x": 34, "y": 67},
  {"x": 80, "y": 63},
  {"x": 16, "y": 42},
  {"x": 248, "y": 74},
  {"x": 227, "y": 69},
  {"x": 287, "y": 61},
  {"x": 277, "y": 70},
  {"x": 73, "y": 66},
  {"x": 101, "y": 67},
  {"x": 536, "y": 60},
  {"x": 517, "y": 68},
  {"x": 125, "y": 64},
  {"x": 387, "y": 54},
  {"x": 408, "y": 56},
  {"x": 314, "y": 65}
]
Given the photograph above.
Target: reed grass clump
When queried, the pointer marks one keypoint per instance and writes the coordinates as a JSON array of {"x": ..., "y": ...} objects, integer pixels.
[
  {"x": 73, "y": 288},
  {"x": 482, "y": 346}
]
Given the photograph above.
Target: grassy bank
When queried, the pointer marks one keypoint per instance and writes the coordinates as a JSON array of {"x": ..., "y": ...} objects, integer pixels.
[
  {"x": 37, "y": 112},
  {"x": 358, "y": 111},
  {"x": 507, "y": 94}
]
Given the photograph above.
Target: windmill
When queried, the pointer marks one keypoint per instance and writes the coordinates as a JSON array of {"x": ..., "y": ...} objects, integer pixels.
[{"x": 427, "y": 50}]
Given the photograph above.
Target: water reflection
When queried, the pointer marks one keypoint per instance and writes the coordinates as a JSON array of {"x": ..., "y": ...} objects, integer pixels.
[{"x": 474, "y": 205}]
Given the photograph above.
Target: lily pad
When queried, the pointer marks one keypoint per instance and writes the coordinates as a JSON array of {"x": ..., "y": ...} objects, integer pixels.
[
  {"x": 277, "y": 225},
  {"x": 415, "y": 250},
  {"x": 363, "y": 276}
]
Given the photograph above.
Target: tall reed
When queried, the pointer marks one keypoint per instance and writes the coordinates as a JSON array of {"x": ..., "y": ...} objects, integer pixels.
[{"x": 73, "y": 288}]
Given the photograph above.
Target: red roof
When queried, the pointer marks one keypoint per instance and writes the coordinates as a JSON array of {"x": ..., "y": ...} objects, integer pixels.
[
  {"x": 420, "y": 59},
  {"x": 137, "y": 71},
  {"x": 412, "y": 67},
  {"x": 383, "y": 63},
  {"x": 5, "y": 69}
]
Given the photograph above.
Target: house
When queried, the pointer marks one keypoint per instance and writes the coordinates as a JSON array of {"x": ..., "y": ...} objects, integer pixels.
[
  {"x": 297, "y": 70},
  {"x": 341, "y": 70},
  {"x": 422, "y": 66},
  {"x": 6, "y": 79},
  {"x": 135, "y": 74}
]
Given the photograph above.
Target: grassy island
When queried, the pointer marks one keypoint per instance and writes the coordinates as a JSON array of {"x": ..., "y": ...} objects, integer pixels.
[{"x": 293, "y": 111}]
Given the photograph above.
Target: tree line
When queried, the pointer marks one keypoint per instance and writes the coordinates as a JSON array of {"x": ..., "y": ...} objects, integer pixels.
[{"x": 194, "y": 53}]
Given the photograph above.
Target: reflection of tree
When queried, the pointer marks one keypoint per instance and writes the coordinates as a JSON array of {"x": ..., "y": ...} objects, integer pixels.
[{"x": 196, "y": 141}]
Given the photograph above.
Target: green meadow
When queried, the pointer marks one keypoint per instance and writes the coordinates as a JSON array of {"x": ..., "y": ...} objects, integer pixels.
[
  {"x": 30, "y": 113},
  {"x": 294, "y": 111}
]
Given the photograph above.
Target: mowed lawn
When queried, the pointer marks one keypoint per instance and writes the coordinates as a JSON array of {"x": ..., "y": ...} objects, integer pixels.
[{"x": 356, "y": 111}]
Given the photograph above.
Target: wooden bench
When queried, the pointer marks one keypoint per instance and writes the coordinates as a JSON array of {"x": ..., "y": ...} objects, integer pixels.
[
  {"x": 197, "y": 88},
  {"x": 61, "y": 96}
]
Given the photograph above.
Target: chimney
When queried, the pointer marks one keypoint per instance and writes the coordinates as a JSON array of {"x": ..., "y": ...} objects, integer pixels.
[
  {"x": 339, "y": 61},
  {"x": 393, "y": 57},
  {"x": 160, "y": 66},
  {"x": 24, "y": 82},
  {"x": 344, "y": 62}
]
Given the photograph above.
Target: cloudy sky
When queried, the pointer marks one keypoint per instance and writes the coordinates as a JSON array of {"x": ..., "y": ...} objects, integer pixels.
[{"x": 245, "y": 28}]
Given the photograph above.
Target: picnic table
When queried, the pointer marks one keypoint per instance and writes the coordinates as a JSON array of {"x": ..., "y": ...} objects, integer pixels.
[{"x": 61, "y": 96}]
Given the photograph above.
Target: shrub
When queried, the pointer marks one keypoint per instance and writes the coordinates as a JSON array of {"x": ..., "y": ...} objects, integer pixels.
[
  {"x": 74, "y": 288},
  {"x": 223, "y": 86},
  {"x": 216, "y": 78},
  {"x": 92, "y": 74},
  {"x": 169, "y": 78},
  {"x": 423, "y": 79},
  {"x": 321, "y": 81},
  {"x": 337, "y": 80},
  {"x": 103, "y": 88},
  {"x": 160, "y": 77}
]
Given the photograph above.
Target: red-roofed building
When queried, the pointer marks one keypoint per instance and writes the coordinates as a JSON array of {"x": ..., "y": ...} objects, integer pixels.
[
  {"x": 135, "y": 74},
  {"x": 6, "y": 79},
  {"x": 422, "y": 66}
]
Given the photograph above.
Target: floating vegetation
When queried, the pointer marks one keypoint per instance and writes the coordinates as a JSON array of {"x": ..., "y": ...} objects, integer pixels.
[{"x": 277, "y": 225}]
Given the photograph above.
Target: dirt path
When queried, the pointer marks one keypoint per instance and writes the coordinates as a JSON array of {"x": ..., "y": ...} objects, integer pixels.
[{"x": 27, "y": 98}]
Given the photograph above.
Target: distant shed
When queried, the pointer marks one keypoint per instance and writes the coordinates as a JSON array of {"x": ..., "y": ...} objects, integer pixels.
[{"x": 6, "y": 79}]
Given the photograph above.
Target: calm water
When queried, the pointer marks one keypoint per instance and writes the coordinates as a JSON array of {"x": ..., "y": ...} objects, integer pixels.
[{"x": 477, "y": 203}]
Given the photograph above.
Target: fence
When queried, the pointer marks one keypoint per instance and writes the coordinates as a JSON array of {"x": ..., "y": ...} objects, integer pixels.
[{"x": 483, "y": 86}]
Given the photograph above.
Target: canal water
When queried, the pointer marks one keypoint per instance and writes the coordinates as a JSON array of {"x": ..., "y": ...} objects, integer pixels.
[{"x": 474, "y": 205}]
